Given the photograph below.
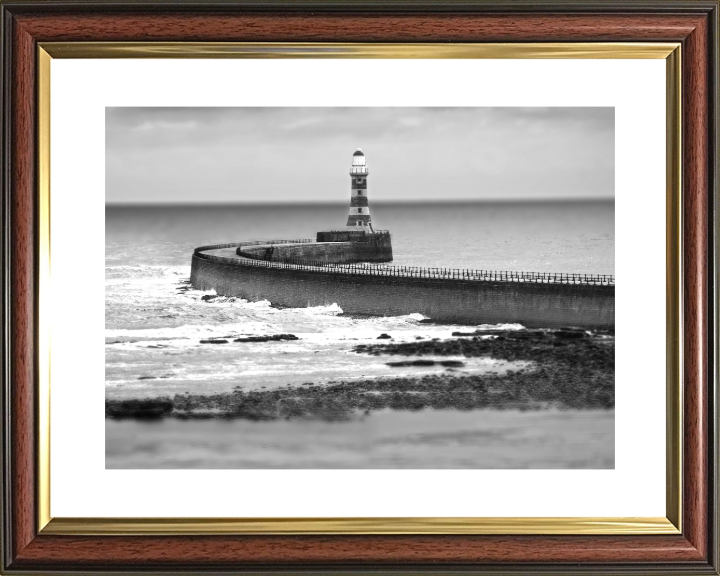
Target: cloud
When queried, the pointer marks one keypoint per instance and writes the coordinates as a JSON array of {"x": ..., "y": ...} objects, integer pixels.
[
  {"x": 164, "y": 125},
  {"x": 295, "y": 154}
]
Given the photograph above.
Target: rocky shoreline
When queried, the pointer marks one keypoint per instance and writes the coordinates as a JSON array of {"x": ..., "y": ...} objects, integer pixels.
[{"x": 567, "y": 369}]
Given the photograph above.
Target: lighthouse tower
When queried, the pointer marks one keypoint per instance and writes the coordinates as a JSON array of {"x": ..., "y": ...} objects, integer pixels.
[
  {"x": 359, "y": 215},
  {"x": 358, "y": 241}
]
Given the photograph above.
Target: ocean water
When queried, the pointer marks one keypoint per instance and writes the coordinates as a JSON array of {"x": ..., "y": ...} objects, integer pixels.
[
  {"x": 154, "y": 323},
  {"x": 532, "y": 236}
]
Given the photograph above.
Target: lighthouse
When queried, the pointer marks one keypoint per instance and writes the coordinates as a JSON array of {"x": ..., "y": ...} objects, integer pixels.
[
  {"x": 358, "y": 241},
  {"x": 359, "y": 214}
]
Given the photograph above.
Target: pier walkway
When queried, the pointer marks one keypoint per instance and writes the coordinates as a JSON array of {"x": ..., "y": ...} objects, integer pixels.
[{"x": 226, "y": 253}]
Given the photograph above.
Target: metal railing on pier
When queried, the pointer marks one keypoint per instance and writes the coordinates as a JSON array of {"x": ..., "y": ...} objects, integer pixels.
[
  {"x": 353, "y": 231},
  {"x": 270, "y": 242},
  {"x": 449, "y": 273}
]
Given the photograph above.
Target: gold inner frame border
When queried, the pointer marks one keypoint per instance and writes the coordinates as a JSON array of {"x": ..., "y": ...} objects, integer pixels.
[{"x": 671, "y": 524}]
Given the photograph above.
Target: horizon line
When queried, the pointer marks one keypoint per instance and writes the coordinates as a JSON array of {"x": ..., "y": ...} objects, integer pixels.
[{"x": 375, "y": 202}]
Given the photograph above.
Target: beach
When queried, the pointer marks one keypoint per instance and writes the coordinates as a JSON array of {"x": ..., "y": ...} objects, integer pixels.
[{"x": 440, "y": 439}]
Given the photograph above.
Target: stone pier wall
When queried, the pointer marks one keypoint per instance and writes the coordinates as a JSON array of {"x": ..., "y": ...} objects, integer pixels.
[
  {"x": 331, "y": 247},
  {"x": 443, "y": 300}
]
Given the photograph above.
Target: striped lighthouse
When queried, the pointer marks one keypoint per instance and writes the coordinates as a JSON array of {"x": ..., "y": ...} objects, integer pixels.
[{"x": 359, "y": 215}]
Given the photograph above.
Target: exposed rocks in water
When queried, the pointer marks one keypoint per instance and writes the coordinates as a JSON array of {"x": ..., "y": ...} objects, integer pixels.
[
  {"x": 529, "y": 335},
  {"x": 154, "y": 408},
  {"x": 213, "y": 341},
  {"x": 584, "y": 352},
  {"x": 147, "y": 378},
  {"x": 411, "y": 363},
  {"x": 568, "y": 361},
  {"x": 358, "y": 315},
  {"x": 577, "y": 374},
  {"x": 208, "y": 298},
  {"x": 345, "y": 400},
  {"x": 446, "y": 363},
  {"x": 271, "y": 338},
  {"x": 384, "y": 336},
  {"x": 570, "y": 334}
]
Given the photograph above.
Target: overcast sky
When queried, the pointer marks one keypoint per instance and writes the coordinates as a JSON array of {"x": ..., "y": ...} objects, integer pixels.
[{"x": 258, "y": 155}]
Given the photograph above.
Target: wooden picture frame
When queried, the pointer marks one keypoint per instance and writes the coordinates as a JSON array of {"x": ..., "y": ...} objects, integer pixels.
[{"x": 685, "y": 541}]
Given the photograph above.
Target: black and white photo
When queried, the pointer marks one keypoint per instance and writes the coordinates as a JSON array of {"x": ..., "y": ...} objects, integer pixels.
[{"x": 386, "y": 288}]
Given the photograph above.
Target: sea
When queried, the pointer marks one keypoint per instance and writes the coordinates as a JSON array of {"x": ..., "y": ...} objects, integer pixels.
[{"x": 154, "y": 324}]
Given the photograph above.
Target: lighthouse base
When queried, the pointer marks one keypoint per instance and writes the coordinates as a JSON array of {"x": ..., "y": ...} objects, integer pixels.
[
  {"x": 334, "y": 247},
  {"x": 360, "y": 246}
]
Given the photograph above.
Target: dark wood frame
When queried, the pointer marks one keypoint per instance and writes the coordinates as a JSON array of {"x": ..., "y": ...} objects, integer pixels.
[{"x": 693, "y": 23}]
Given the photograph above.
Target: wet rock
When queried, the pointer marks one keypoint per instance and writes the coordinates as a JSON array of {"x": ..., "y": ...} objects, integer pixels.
[
  {"x": 384, "y": 336},
  {"x": 523, "y": 335},
  {"x": 452, "y": 363},
  {"x": 154, "y": 408},
  {"x": 208, "y": 298},
  {"x": 570, "y": 334},
  {"x": 596, "y": 351},
  {"x": 568, "y": 373},
  {"x": 269, "y": 338},
  {"x": 147, "y": 378},
  {"x": 412, "y": 363},
  {"x": 213, "y": 341}
]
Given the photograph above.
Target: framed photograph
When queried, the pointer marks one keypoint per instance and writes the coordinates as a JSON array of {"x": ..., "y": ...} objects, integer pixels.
[{"x": 372, "y": 287}]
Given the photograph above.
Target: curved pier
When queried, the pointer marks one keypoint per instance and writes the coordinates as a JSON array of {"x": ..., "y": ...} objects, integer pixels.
[{"x": 463, "y": 296}]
